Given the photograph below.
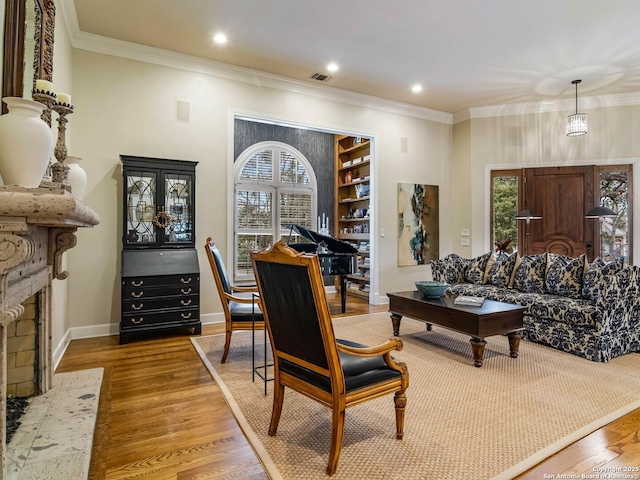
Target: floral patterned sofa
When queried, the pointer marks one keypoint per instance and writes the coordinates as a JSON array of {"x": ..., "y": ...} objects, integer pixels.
[{"x": 590, "y": 310}]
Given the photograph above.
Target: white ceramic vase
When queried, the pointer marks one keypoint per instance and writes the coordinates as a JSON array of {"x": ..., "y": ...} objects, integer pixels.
[
  {"x": 26, "y": 143},
  {"x": 77, "y": 177}
]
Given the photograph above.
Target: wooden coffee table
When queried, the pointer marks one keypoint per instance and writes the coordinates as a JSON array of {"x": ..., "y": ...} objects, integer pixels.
[{"x": 492, "y": 318}]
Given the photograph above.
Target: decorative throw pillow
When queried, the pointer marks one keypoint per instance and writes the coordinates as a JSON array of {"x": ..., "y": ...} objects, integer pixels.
[
  {"x": 502, "y": 270},
  {"x": 530, "y": 274},
  {"x": 593, "y": 278},
  {"x": 438, "y": 270},
  {"x": 478, "y": 268},
  {"x": 450, "y": 269},
  {"x": 564, "y": 276}
]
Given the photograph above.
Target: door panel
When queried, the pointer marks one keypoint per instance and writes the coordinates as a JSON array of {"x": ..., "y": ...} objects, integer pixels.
[{"x": 560, "y": 195}]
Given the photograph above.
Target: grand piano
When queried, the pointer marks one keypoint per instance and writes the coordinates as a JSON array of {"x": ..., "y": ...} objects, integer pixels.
[{"x": 336, "y": 257}]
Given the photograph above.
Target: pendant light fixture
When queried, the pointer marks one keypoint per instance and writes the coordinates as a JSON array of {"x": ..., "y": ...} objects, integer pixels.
[{"x": 577, "y": 122}]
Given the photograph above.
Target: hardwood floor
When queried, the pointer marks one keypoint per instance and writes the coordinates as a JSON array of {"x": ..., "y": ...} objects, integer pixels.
[{"x": 161, "y": 416}]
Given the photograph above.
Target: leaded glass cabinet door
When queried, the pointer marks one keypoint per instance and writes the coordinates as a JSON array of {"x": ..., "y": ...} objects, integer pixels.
[
  {"x": 140, "y": 208},
  {"x": 178, "y": 198}
]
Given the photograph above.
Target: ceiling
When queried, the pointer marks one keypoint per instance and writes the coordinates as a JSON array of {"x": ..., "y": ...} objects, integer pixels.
[{"x": 465, "y": 53}]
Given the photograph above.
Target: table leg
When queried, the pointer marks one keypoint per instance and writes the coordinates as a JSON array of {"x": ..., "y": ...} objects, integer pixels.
[
  {"x": 514, "y": 342},
  {"x": 477, "y": 347},
  {"x": 343, "y": 292},
  {"x": 395, "y": 321}
]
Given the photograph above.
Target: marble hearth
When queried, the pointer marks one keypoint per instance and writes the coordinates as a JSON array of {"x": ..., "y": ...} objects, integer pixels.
[{"x": 37, "y": 225}]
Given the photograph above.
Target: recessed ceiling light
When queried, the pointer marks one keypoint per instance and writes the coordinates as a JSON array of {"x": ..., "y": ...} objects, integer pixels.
[
  {"x": 332, "y": 67},
  {"x": 220, "y": 38},
  {"x": 416, "y": 88}
]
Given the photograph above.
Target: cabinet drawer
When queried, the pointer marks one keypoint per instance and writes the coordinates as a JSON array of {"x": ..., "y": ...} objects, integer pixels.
[
  {"x": 160, "y": 291},
  {"x": 144, "y": 304},
  {"x": 185, "y": 280},
  {"x": 140, "y": 320}
]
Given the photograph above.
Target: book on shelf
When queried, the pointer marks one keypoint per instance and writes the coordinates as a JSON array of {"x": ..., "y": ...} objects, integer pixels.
[{"x": 469, "y": 300}]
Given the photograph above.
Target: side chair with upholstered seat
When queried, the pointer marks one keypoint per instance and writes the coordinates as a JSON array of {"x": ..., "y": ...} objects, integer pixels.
[
  {"x": 239, "y": 311},
  {"x": 307, "y": 356}
]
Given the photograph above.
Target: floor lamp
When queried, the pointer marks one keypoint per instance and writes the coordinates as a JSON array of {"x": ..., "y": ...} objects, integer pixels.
[
  {"x": 600, "y": 213},
  {"x": 527, "y": 215}
]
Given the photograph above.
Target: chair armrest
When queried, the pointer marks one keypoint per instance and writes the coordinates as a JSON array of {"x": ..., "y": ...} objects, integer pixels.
[
  {"x": 233, "y": 298},
  {"x": 384, "y": 350},
  {"x": 251, "y": 288},
  {"x": 386, "y": 347}
]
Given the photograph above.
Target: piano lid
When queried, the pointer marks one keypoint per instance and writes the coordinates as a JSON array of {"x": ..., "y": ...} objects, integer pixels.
[{"x": 333, "y": 244}]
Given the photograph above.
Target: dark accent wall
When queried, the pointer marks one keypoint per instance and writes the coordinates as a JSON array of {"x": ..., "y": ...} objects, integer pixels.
[{"x": 317, "y": 147}]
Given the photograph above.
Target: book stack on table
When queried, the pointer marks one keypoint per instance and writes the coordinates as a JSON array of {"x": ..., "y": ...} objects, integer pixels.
[{"x": 469, "y": 300}]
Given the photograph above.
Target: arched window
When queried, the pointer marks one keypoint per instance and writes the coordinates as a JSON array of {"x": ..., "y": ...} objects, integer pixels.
[{"x": 274, "y": 185}]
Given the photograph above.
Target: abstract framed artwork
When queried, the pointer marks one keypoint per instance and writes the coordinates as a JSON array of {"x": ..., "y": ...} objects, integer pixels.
[{"x": 418, "y": 224}]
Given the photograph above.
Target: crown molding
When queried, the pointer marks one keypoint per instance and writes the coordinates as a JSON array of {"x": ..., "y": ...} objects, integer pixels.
[
  {"x": 546, "y": 106},
  {"x": 132, "y": 51},
  {"x": 461, "y": 116}
]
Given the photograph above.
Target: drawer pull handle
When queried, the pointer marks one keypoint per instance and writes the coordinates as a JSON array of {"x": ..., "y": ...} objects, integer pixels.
[
  {"x": 182, "y": 302},
  {"x": 186, "y": 315},
  {"x": 137, "y": 321},
  {"x": 137, "y": 284},
  {"x": 185, "y": 281},
  {"x": 137, "y": 307},
  {"x": 133, "y": 294},
  {"x": 185, "y": 292}
]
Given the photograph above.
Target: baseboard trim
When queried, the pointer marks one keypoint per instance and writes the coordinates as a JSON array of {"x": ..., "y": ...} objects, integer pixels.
[{"x": 106, "y": 330}]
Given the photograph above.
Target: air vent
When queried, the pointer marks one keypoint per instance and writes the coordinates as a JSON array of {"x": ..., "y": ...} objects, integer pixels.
[{"x": 321, "y": 77}]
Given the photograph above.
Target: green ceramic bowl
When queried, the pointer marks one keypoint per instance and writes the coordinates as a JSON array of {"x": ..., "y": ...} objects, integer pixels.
[{"x": 431, "y": 289}]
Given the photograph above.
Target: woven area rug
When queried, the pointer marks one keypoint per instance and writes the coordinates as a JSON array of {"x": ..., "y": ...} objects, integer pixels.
[{"x": 461, "y": 422}]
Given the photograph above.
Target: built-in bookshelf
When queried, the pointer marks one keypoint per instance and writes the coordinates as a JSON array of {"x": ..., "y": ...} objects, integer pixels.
[{"x": 352, "y": 205}]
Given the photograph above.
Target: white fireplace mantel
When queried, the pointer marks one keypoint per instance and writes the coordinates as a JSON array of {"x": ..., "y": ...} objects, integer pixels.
[{"x": 37, "y": 225}]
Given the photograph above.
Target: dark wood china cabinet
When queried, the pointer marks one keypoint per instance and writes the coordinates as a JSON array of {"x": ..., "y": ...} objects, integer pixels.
[{"x": 160, "y": 273}]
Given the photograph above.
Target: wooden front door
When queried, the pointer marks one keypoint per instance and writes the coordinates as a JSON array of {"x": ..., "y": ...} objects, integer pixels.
[{"x": 560, "y": 195}]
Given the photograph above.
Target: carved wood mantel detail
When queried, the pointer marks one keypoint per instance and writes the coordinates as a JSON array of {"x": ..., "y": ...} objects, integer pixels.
[
  {"x": 60, "y": 240},
  {"x": 14, "y": 250}
]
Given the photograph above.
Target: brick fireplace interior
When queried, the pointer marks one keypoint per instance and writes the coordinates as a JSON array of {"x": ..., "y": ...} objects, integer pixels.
[{"x": 22, "y": 353}]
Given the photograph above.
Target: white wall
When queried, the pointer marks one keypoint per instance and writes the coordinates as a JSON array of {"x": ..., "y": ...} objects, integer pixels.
[{"x": 128, "y": 107}]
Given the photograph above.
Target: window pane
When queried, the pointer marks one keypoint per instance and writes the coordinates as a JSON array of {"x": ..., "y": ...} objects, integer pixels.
[
  {"x": 505, "y": 208},
  {"x": 246, "y": 245},
  {"x": 295, "y": 208},
  {"x": 141, "y": 192},
  {"x": 177, "y": 191},
  {"x": 255, "y": 210},
  {"x": 291, "y": 170},
  {"x": 259, "y": 167},
  {"x": 614, "y": 234}
]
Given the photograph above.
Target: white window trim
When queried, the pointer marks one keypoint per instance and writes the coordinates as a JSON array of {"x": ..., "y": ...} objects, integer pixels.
[{"x": 276, "y": 186}]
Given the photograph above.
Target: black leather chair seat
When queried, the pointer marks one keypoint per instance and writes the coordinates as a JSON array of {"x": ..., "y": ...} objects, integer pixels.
[
  {"x": 358, "y": 371},
  {"x": 242, "y": 312}
]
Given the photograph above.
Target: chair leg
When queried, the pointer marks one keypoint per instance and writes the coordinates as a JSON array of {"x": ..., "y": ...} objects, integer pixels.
[
  {"x": 400, "y": 399},
  {"x": 227, "y": 344},
  {"x": 337, "y": 430},
  {"x": 278, "y": 399}
]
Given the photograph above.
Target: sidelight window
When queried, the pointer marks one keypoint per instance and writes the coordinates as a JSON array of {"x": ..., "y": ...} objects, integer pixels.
[
  {"x": 505, "y": 189},
  {"x": 614, "y": 194}
]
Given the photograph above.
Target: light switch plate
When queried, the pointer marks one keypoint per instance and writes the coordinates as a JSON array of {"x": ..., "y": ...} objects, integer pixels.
[
  {"x": 464, "y": 232},
  {"x": 464, "y": 242}
]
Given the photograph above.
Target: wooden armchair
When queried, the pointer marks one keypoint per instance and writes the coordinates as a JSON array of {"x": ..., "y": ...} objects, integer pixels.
[
  {"x": 238, "y": 310},
  {"x": 307, "y": 356}
]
